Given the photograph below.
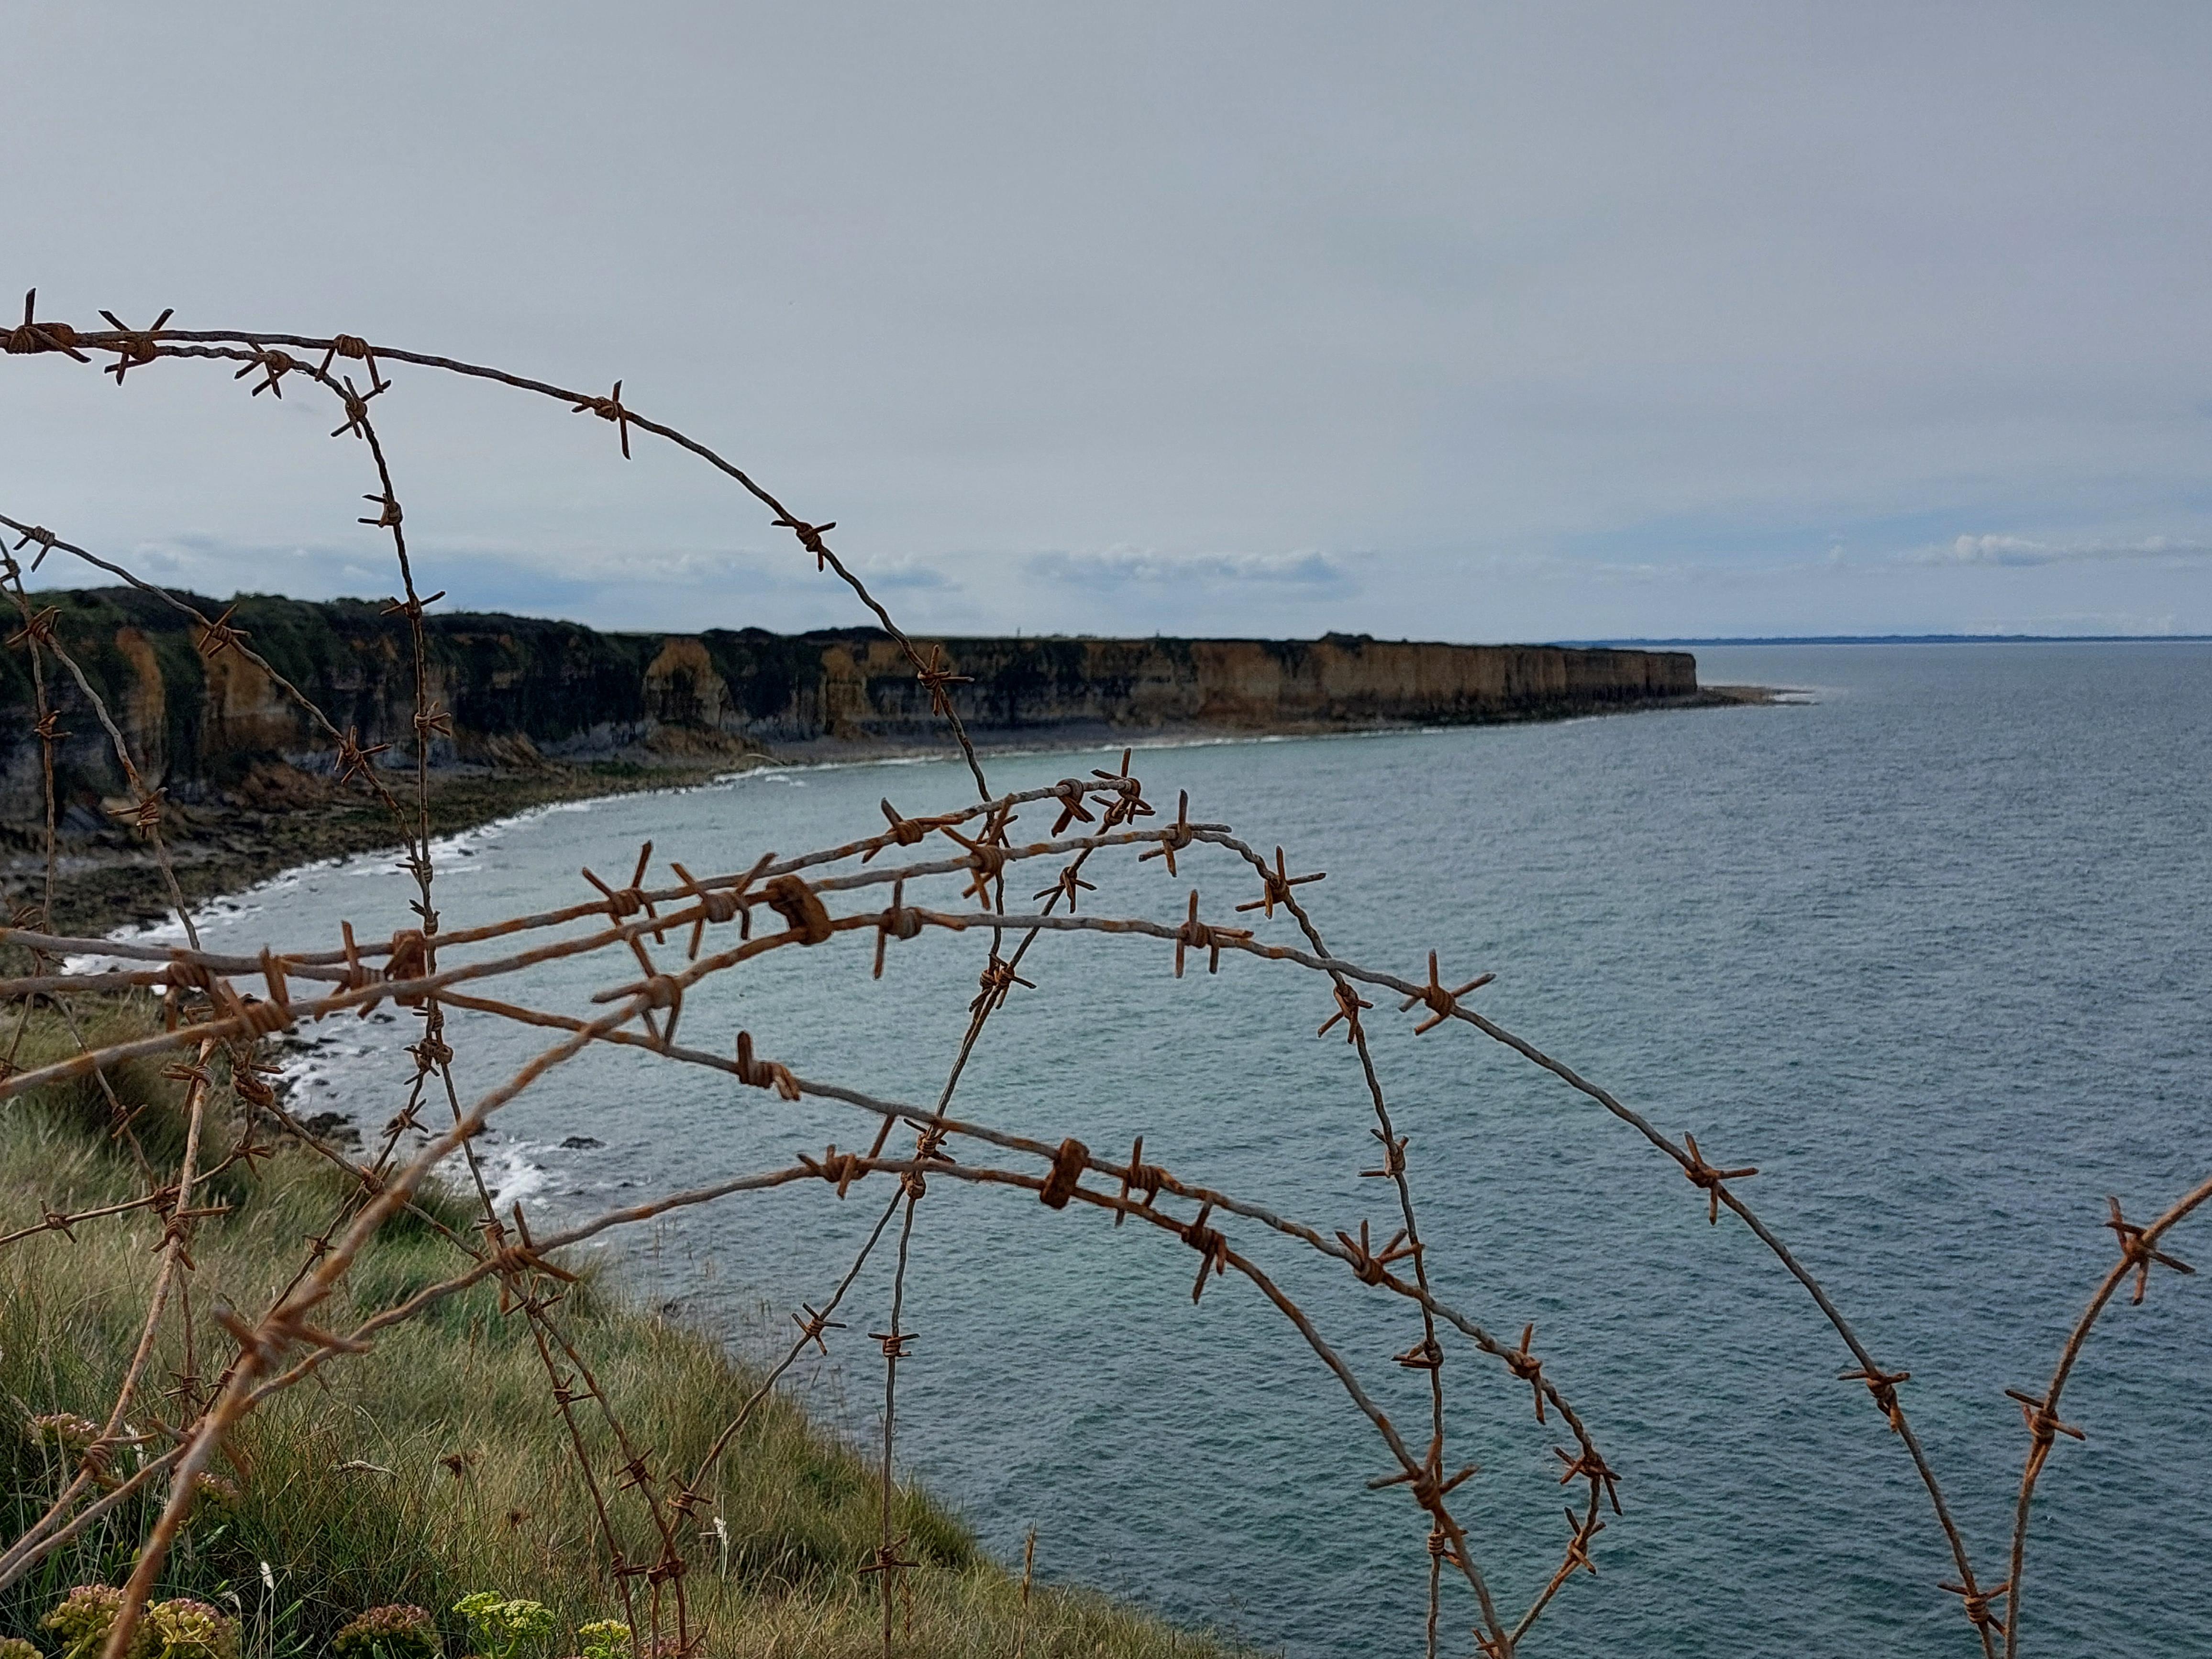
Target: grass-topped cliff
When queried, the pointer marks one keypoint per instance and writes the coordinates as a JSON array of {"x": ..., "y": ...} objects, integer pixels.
[
  {"x": 514, "y": 688},
  {"x": 543, "y": 711}
]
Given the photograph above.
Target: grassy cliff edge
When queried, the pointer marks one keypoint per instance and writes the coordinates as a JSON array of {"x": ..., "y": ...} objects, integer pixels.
[{"x": 435, "y": 1465}]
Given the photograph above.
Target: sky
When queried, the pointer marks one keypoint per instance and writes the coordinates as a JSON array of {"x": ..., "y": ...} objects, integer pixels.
[{"x": 1453, "y": 322}]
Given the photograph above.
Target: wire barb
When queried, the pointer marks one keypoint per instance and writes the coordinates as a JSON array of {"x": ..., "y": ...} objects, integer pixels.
[
  {"x": 2137, "y": 1252},
  {"x": 1708, "y": 1179}
]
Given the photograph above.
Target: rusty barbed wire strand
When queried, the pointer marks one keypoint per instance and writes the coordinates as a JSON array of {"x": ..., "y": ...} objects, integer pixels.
[
  {"x": 286, "y": 1324},
  {"x": 1407, "y": 989},
  {"x": 146, "y": 816},
  {"x": 204, "y": 1009},
  {"x": 266, "y": 351},
  {"x": 2138, "y": 1252},
  {"x": 1278, "y": 887},
  {"x": 173, "y": 1253},
  {"x": 968, "y": 919},
  {"x": 352, "y": 756}
]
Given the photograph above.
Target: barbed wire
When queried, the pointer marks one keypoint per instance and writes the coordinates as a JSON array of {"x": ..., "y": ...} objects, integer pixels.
[{"x": 205, "y": 1014}]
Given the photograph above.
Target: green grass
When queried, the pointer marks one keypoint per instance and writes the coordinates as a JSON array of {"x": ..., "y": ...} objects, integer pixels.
[{"x": 798, "y": 1507}]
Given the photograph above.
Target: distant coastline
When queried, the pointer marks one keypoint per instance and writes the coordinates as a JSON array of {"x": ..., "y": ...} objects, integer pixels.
[
  {"x": 1888, "y": 639},
  {"x": 524, "y": 712}
]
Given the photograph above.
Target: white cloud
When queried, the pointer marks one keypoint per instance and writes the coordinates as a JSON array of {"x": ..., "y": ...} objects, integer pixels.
[
  {"x": 1115, "y": 567},
  {"x": 2020, "y": 550}
]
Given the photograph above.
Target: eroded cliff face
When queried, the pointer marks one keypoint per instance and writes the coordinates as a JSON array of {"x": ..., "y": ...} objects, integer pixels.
[{"x": 514, "y": 688}]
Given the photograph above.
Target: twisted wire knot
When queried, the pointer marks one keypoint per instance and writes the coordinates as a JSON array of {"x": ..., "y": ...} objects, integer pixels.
[
  {"x": 764, "y": 1073},
  {"x": 937, "y": 678},
  {"x": 273, "y": 971},
  {"x": 2137, "y": 1252},
  {"x": 145, "y": 813},
  {"x": 1070, "y": 792},
  {"x": 354, "y": 760},
  {"x": 905, "y": 831},
  {"x": 273, "y": 364},
  {"x": 184, "y": 974},
  {"x": 623, "y": 903},
  {"x": 986, "y": 857},
  {"x": 1369, "y": 1265},
  {"x": 1177, "y": 836},
  {"x": 218, "y": 636},
  {"x": 1703, "y": 1175},
  {"x": 38, "y": 627},
  {"x": 1349, "y": 1002},
  {"x": 410, "y": 959},
  {"x": 1427, "y": 1481},
  {"x": 897, "y": 922},
  {"x": 1589, "y": 1466},
  {"x": 1275, "y": 886},
  {"x": 137, "y": 346},
  {"x": 1526, "y": 1367},
  {"x": 1141, "y": 1177},
  {"x": 998, "y": 979},
  {"x": 246, "y": 1081},
  {"x": 1578, "y": 1543},
  {"x": 840, "y": 1170},
  {"x": 1195, "y": 935},
  {"x": 813, "y": 1325},
  {"x": 1393, "y": 1156},
  {"x": 720, "y": 905},
  {"x": 1882, "y": 1385},
  {"x": 2042, "y": 1417},
  {"x": 1068, "y": 884},
  {"x": 800, "y": 905},
  {"x": 1442, "y": 1004},
  {"x": 1126, "y": 794},
  {"x": 40, "y": 336},
  {"x": 656, "y": 991},
  {"x": 809, "y": 536},
  {"x": 1977, "y": 1604},
  {"x": 44, "y": 537},
  {"x": 359, "y": 976},
  {"x": 608, "y": 408},
  {"x": 1068, "y": 1164},
  {"x": 1212, "y": 1249}
]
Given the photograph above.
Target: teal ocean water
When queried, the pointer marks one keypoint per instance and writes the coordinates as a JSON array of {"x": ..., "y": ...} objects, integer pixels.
[{"x": 1932, "y": 949}]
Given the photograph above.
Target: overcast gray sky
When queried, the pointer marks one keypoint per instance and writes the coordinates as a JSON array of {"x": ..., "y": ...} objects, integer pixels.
[{"x": 1447, "y": 321}]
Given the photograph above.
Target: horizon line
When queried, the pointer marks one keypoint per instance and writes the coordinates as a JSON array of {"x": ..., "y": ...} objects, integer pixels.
[{"x": 1890, "y": 639}]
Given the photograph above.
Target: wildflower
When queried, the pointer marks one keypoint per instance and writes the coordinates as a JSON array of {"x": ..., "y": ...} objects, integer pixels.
[
  {"x": 214, "y": 1489},
  {"x": 15, "y": 1647},
  {"x": 64, "y": 1431},
  {"x": 608, "y": 1639},
  {"x": 504, "y": 1629},
  {"x": 82, "y": 1619},
  {"x": 393, "y": 1631},
  {"x": 185, "y": 1629}
]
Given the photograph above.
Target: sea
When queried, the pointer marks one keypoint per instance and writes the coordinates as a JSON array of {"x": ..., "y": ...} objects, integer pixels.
[{"x": 1928, "y": 943}]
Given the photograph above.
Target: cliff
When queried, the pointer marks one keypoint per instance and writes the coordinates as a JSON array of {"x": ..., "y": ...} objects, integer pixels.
[{"x": 519, "y": 689}]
